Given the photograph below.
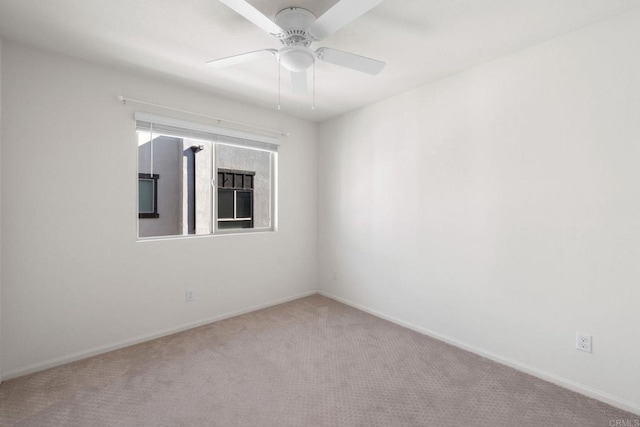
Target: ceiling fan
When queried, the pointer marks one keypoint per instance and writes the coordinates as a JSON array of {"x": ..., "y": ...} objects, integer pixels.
[{"x": 297, "y": 28}]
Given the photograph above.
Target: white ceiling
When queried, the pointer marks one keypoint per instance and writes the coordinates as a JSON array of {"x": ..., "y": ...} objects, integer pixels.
[{"x": 420, "y": 40}]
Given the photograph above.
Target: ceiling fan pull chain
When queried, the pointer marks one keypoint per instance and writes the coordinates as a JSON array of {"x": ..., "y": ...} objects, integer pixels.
[
  {"x": 279, "y": 85},
  {"x": 313, "y": 95}
]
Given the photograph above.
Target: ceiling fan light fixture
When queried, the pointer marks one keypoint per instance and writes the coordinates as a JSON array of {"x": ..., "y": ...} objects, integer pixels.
[{"x": 296, "y": 58}]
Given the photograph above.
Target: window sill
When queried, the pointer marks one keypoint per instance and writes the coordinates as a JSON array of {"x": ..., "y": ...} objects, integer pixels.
[{"x": 234, "y": 232}]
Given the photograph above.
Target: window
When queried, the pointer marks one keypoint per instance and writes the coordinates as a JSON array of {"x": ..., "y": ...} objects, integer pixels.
[
  {"x": 235, "y": 199},
  {"x": 213, "y": 180},
  {"x": 147, "y": 195}
]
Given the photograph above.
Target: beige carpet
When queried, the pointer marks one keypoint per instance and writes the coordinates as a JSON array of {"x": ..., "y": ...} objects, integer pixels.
[{"x": 311, "y": 362}]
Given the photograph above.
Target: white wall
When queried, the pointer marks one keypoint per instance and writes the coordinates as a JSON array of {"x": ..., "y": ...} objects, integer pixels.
[
  {"x": 75, "y": 280},
  {"x": 500, "y": 208}
]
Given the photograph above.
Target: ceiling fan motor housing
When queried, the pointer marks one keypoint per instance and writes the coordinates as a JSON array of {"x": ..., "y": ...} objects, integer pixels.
[{"x": 295, "y": 21}]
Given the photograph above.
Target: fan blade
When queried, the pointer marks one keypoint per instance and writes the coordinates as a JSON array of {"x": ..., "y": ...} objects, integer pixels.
[
  {"x": 299, "y": 82},
  {"x": 243, "y": 57},
  {"x": 350, "y": 60},
  {"x": 340, "y": 15},
  {"x": 254, "y": 15}
]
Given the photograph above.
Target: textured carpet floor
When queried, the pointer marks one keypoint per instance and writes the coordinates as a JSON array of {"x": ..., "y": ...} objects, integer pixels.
[{"x": 310, "y": 362}]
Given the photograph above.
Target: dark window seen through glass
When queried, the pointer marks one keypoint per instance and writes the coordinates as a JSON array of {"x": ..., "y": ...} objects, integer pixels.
[{"x": 235, "y": 199}]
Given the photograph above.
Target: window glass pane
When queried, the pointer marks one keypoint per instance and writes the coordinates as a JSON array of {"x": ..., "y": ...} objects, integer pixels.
[
  {"x": 183, "y": 202},
  {"x": 255, "y": 162},
  {"x": 243, "y": 204},
  {"x": 225, "y": 203},
  {"x": 228, "y": 180},
  {"x": 145, "y": 195},
  {"x": 184, "y": 189}
]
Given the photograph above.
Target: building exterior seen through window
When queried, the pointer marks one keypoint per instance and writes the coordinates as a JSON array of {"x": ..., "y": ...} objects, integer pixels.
[{"x": 190, "y": 186}]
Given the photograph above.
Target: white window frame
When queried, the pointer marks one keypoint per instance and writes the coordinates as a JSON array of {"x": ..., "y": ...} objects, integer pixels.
[{"x": 216, "y": 136}]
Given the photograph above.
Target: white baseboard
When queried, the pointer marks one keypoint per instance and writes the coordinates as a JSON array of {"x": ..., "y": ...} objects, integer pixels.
[
  {"x": 40, "y": 366},
  {"x": 547, "y": 376}
]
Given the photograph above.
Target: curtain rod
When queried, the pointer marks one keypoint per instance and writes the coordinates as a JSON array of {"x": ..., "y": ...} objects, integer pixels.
[{"x": 219, "y": 119}]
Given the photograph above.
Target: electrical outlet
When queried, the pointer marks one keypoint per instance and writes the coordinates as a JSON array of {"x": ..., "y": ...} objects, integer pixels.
[
  {"x": 583, "y": 342},
  {"x": 190, "y": 295}
]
